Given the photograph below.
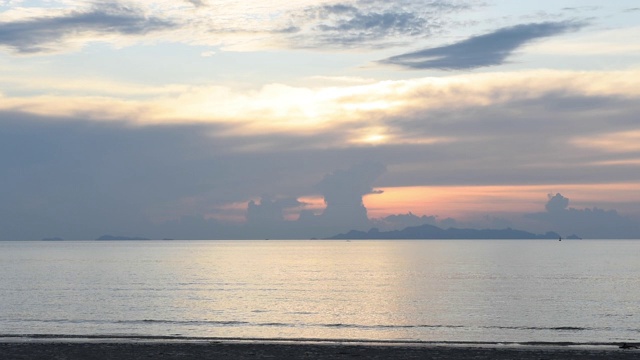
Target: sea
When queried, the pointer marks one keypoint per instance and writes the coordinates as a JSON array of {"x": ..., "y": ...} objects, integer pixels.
[{"x": 414, "y": 291}]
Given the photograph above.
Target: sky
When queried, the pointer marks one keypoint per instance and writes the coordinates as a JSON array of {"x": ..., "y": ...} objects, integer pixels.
[{"x": 218, "y": 119}]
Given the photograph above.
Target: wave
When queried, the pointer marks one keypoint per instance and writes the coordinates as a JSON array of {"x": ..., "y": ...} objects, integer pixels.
[
  {"x": 321, "y": 325},
  {"x": 173, "y": 338},
  {"x": 555, "y": 328},
  {"x": 234, "y": 323}
]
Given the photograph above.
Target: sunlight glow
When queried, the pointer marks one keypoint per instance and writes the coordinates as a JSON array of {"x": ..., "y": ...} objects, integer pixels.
[
  {"x": 374, "y": 139},
  {"x": 282, "y": 108}
]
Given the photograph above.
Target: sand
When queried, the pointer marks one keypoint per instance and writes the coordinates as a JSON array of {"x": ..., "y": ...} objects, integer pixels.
[{"x": 92, "y": 350}]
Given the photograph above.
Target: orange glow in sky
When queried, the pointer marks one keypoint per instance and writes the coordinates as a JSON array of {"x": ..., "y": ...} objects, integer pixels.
[{"x": 462, "y": 201}]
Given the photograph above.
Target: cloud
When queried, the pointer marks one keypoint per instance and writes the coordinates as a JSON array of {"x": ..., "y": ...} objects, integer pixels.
[
  {"x": 81, "y": 180},
  {"x": 588, "y": 222},
  {"x": 343, "y": 191},
  {"x": 483, "y": 50},
  {"x": 401, "y": 221},
  {"x": 240, "y": 26},
  {"x": 77, "y": 179},
  {"x": 269, "y": 212},
  {"x": 624, "y": 142},
  {"x": 69, "y": 162},
  {"x": 346, "y": 25},
  {"x": 230, "y": 25},
  {"x": 196, "y": 3},
  {"x": 581, "y": 8},
  {"x": 557, "y": 203},
  {"x": 438, "y": 129},
  {"x": 53, "y": 33},
  {"x": 559, "y": 117},
  {"x": 368, "y": 23}
]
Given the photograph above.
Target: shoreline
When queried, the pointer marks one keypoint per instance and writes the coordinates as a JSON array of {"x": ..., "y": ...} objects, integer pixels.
[
  {"x": 99, "y": 350},
  {"x": 70, "y": 347}
]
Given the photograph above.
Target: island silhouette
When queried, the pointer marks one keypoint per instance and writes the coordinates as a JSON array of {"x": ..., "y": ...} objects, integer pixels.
[{"x": 427, "y": 231}]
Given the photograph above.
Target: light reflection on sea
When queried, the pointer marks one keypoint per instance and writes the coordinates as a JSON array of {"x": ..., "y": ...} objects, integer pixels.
[{"x": 576, "y": 291}]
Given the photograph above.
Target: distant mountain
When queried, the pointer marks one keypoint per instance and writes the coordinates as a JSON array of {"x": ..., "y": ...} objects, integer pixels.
[
  {"x": 433, "y": 232},
  {"x": 119, "y": 237}
]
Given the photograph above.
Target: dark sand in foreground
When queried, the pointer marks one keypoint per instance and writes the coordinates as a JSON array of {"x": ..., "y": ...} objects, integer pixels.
[{"x": 250, "y": 350}]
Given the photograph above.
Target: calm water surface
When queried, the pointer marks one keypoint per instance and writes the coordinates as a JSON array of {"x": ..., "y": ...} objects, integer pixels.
[{"x": 577, "y": 291}]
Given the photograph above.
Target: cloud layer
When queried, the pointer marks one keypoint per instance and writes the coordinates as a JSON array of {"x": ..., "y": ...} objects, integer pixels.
[
  {"x": 239, "y": 26},
  {"x": 145, "y": 163}
]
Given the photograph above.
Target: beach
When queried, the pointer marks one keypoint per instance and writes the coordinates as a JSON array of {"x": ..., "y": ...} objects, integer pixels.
[{"x": 99, "y": 350}]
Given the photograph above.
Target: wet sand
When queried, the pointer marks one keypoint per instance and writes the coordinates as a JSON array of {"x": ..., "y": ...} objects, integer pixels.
[{"x": 91, "y": 350}]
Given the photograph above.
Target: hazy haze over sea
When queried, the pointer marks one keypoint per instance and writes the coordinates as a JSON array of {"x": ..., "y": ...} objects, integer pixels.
[{"x": 460, "y": 290}]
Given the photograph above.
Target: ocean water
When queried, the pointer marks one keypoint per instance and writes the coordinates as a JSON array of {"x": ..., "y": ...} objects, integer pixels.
[{"x": 430, "y": 291}]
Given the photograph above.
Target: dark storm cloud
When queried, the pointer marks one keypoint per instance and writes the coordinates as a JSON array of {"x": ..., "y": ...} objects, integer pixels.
[
  {"x": 83, "y": 180},
  {"x": 48, "y": 33},
  {"x": 494, "y": 146},
  {"x": 78, "y": 180},
  {"x": 483, "y": 50}
]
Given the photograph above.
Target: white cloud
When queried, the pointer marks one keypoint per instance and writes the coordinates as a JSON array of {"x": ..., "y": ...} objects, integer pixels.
[{"x": 280, "y": 107}]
